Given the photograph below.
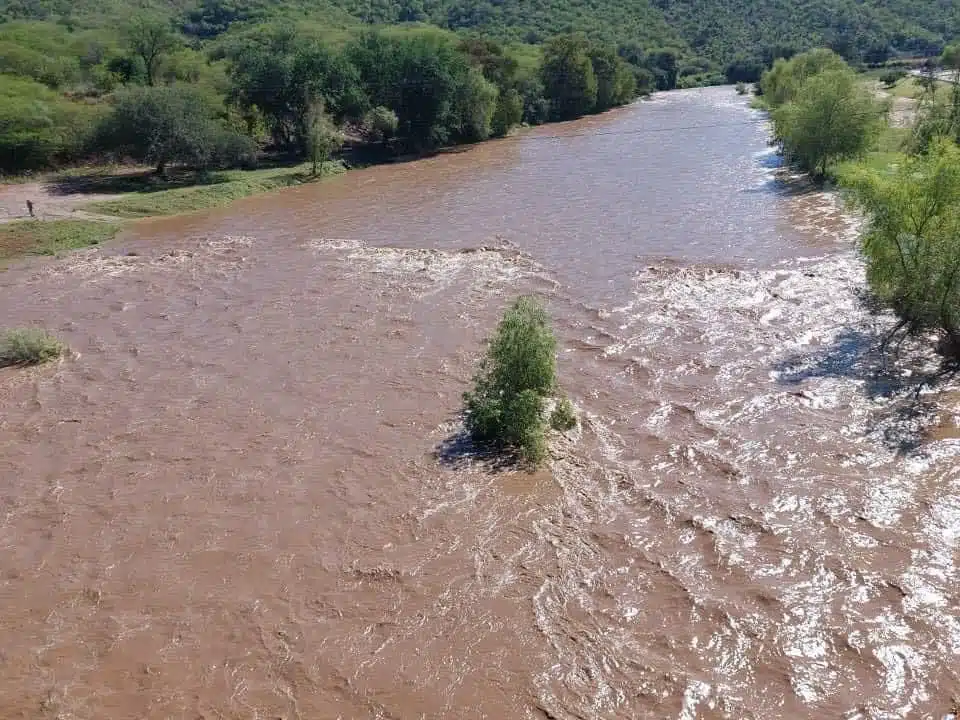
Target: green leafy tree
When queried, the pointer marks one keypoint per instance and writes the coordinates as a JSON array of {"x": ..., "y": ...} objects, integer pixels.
[
  {"x": 831, "y": 117},
  {"x": 477, "y": 101},
  {"x": 912, "y": 240},
  {"x": 279, "y": 78},
  {"x": 380, "y": 124},
  {"x": 509, "y": 112},
  {"x": 322, "y": 136},
  {"x": 150, "y": 39},
  {"x": 616, "y": 84},
  {"x": 782, "y": 82},
  {"x": 171, "y": 124},
  {"x": 428, "y": 83},
  {"x": 568, "y": 78},
  {"x": 506, "y": 407}
]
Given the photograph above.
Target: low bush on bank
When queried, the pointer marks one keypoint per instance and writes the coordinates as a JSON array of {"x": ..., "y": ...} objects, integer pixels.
[
  {"x": 29, "y": 346},
  {"x": 506, "y": 408}
]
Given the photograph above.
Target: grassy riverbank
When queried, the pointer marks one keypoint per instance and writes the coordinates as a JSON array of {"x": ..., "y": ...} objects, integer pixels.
[
  {"x": 150, "y": 197},
  {"x": 35, "y": 237}
]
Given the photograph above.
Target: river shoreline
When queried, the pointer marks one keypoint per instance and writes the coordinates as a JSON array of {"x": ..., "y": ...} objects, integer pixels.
[{"x": 108, "y": 193}]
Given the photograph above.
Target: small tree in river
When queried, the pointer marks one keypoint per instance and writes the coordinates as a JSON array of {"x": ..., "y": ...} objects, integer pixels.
[
  {"x": 322, "y": 136},
  {"x": 506, "y": 407}
]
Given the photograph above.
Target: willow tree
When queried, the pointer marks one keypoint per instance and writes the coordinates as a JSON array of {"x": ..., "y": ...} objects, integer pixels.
[
  {"x": 320, "y": 135},
  {"x": 519, "y": 373},
  {"x": 831, "y": 117},
  {"x": 912, "y": 240}
]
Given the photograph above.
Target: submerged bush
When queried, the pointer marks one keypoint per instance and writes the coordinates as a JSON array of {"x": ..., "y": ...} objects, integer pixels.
[
  {"x": 563, "y": 417},
  {"x": 506, "y": 407},
  {"x": 29, "y": 346}
]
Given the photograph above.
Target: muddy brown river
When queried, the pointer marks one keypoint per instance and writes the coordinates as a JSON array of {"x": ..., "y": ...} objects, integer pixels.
[{"x": 243, "y": 497}]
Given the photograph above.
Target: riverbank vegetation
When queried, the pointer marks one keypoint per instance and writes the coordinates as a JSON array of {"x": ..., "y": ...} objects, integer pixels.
[
  {"x": 151, "y": 96},
  {"x": 29, "y": 346},
  {"x": 216, "y": 84},
  {"x": 905, "y": 181},
  {"x": 912, "y": 240},
  {"x": 33, "y": 237},
  {"x": 149, "y": 196},
  {"x": 822, "y": 113},
  {"x": 517, "y": 378}
]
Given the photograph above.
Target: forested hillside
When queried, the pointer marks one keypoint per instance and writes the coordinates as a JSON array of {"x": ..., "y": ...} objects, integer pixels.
[
  {"x": 256, "y": 73},
  {"x": 713, "y": 31}
]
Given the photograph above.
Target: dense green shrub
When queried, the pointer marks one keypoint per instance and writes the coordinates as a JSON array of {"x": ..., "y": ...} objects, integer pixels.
[
  {"x": 506, "y": 406},
  {"x": 830, "y": 117},
  {"x": 166, "y": 125},
  {"x": 912, "y": 241},
  {"x": 782, "y": 82},
  {"x": 29, "y": 346}
]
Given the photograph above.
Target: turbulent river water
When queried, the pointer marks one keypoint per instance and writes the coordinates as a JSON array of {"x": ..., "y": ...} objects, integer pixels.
[{"x": 243, "y": 495}]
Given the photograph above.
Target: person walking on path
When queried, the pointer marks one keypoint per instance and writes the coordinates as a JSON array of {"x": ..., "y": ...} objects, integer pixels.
[{"x": 30, "y": 208}]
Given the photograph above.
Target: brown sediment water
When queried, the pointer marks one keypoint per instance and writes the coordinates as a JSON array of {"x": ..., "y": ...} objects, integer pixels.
[{"x": 238, "y": 497}]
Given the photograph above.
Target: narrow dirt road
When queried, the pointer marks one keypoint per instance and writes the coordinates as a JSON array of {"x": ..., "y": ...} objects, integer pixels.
[{"x": 48, "y": 203}]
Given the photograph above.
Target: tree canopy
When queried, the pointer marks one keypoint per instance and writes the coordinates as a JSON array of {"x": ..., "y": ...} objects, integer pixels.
[
  {"x": 165, "y": 125},
  {"x": 450, "y": 70},
  {"x": 912, "y": 241},
  {"x": 830, "y": 117}
]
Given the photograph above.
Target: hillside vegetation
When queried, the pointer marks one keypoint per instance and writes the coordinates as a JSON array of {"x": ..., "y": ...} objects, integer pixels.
[{"x": 214, "y": 84}]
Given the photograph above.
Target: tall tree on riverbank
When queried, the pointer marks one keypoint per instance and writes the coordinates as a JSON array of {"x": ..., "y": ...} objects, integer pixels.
[
  {"x": 321, "y": 135},
  {"x": 569, "y": 81},
  {"x": 831, "y": 117},
  {"x": 912, "y": 241}
]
